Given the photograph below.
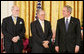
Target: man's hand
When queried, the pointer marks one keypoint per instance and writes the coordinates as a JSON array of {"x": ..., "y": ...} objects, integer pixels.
[
  {"x": 57, "y": 48},
  {"x": 53, "y": 36},
  {"x": 15, "y": 39},
  {"x": 1, "y": 35},
  {"x": 76, "y": 49},
  {"x": 45, "y": 44},
  {"x": 82, "y": 34}
]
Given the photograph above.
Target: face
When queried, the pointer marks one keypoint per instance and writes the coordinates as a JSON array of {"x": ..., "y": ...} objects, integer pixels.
[
  {"x": 41, "y": 15},
  {"x": 65, "y": 12},
  {"x": 15, "y": 11}
]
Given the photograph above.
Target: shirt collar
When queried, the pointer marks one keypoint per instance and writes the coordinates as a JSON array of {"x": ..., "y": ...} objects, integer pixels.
[
  {"x": 68, "y": 17},
  {"x": 40, "y": 21},
  {"x": 13, "y": 18}
]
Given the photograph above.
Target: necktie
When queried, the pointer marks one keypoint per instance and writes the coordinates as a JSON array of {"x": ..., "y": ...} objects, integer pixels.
[
  {"x": 66, "y": 24},
  {"x": 43, "y": 26},
  {"x": 14, "y": 20}
]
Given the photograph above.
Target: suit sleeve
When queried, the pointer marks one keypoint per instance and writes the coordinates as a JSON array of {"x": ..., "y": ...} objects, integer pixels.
[
  {"x": 34, "y": 34},
  {"x": 22, "y": 34},
  {"x": 57, "y": 34},
  {"x": 78, "y": 33},
  {"x": 4, "y": 30},
  {"x": 49, "y": 32}
]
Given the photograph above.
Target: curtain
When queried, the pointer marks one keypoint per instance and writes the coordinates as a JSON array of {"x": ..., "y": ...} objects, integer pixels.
[{"x": 53, "y": 10}]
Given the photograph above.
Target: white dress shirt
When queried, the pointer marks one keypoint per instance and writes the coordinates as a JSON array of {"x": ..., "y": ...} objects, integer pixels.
[
  {"x": 68, "y": 19},
  {"x": 41, "y": 22}
]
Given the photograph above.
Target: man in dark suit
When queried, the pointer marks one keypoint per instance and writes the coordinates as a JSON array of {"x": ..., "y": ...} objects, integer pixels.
[
  {"x": 41, "y": 33},
  {"x": 68, "y": 33},
  {"x": 13, "y": 29}
]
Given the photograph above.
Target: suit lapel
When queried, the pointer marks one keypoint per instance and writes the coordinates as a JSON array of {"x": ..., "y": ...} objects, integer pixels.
[
  {"x": 45, "y": 26},
  {"x": 17, "y": 21},
  {"x": 39, "y": 26},
  {"x": 64, "y": 26},
  {"x": 11, "y": 25},
  {"x": 70, "y": 24},
  {"x": 11, "y": 20}
]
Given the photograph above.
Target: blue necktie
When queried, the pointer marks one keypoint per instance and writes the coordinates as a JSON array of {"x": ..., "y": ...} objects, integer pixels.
[{"x": 66, "y": 24}]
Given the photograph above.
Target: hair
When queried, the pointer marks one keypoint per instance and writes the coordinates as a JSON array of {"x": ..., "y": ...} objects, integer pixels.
[
  {"x": 38, "y": 11},
  {"x": 69, "y": 8},
  {"x": 13, "y": 7}
]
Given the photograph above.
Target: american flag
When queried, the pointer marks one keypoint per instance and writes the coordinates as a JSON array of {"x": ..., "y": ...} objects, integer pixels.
[{"x": 38, "y": 7}]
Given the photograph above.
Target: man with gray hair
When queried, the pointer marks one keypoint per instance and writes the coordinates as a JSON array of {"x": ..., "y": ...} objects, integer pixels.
[
  {"x": 68, "y": 33},
  {"x": 41, "y": 33},
  {"x": 13, "y": 29}
]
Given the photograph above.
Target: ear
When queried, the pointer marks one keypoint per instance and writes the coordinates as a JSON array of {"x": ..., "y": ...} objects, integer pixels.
[{"x": 69, "y": 12}]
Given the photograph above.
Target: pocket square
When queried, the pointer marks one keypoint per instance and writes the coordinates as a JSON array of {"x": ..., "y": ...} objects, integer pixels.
[
  {"x": 20, "y": 22},
  {"x": 71, "y": 21}
]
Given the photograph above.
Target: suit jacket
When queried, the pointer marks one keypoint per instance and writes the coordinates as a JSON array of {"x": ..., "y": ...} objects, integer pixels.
[
  {"x": 10, "y": 30},
  {"x": 68, "y": 40},
  {"x": 38, "y": 36}
]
